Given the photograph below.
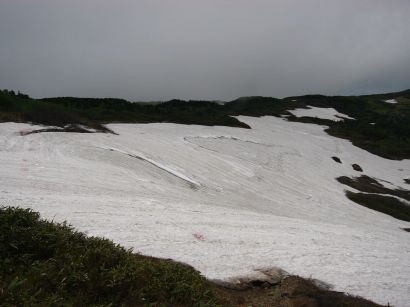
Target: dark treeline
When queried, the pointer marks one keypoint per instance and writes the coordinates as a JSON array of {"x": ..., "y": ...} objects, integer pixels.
[{"x": 174, "y": 111}]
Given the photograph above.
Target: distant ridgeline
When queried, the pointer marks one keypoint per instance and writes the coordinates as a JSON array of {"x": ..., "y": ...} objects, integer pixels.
[{"x": 379, "y": 127}]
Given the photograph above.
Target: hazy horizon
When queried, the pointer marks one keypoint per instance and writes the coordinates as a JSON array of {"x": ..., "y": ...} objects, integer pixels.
[
  {"x": 201, "y": 99},
  {"x": 215, "y": 50}
]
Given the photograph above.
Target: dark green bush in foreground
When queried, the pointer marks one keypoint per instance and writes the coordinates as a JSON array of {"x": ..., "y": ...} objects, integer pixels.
[{"x": 47, "y": 264}]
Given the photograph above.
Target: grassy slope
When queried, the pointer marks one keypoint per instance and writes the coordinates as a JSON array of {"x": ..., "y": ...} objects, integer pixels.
[
  {"x": 389, "y": 136},
  {"x": 48, "y": 264}
]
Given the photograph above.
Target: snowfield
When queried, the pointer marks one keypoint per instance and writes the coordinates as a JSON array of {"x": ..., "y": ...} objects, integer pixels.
[
  {"x": 227, "y": 201},
  {"x": 323, "y": 113}
]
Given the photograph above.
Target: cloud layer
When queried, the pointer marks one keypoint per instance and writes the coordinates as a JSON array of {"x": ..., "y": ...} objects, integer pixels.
[{"x": 191, "y": 49}]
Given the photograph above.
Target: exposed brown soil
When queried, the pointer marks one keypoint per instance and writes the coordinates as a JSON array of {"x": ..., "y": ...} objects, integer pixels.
[{"x": 292, "y": 291}]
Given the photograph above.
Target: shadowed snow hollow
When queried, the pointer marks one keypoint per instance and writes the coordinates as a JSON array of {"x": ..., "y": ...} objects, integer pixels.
[{"x": 228, "y": 201}]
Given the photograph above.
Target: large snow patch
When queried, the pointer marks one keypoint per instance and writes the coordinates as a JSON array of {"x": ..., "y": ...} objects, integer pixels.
[{"x": 228, "y": 201}]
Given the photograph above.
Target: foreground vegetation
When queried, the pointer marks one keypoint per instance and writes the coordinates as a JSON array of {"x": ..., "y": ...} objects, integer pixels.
[
  {"x": 48, "y": 264},
  {"x": 378, "y": 127}
]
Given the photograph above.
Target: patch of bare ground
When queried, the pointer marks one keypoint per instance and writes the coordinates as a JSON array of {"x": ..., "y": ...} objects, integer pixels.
[
  {"x": 292, "y": 291},
  {"x": 377, "y": 197},
  {"x": 337, "y": 159},
  {"x": 69, "y": 128},
  {"x": 381, "y": 203},
  {"x": 370, "y": 185},
  {"x": 357, "y": 167}
]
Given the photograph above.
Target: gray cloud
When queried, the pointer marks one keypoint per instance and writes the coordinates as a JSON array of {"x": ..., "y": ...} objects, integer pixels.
[{"x": 163, "y": 49}]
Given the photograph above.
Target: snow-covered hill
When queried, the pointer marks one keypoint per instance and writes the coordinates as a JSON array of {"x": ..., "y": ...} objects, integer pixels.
[{"x": 225, "y": 200}]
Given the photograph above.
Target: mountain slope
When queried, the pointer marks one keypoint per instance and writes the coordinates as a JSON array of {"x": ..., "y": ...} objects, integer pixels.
[
  {"x": 373, "y": 123},
  {"x": 227, "y": 201}
]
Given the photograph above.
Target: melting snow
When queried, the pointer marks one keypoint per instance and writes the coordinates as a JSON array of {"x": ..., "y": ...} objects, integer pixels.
[
  {"x": 323, "y": 113},
  {"x": 391, "y": 101},
  {"x": 227, "y": 201}
]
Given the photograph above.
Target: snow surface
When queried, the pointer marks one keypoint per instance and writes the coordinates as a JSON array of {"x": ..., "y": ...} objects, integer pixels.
[
  {"x": 227, "y": 201},
  {"x": 323, "y": 113},
  {"x": 391, "y": 101}
]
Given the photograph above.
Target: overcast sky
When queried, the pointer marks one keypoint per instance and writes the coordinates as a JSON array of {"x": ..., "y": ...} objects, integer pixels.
[{"x": 208, "y": 49}]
